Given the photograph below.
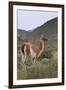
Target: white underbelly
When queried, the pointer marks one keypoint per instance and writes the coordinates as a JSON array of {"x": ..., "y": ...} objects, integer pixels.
[{"x": 33, "y": 54}]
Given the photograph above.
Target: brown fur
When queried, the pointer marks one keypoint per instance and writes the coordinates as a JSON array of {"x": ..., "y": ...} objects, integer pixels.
[
  {"x": 27, "y": 46},
  {"x": 27, "y": 49},
  {"x": 37, "y": 48}
]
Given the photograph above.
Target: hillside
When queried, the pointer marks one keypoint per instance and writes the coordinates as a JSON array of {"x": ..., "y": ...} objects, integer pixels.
[{"x": 49, "y": 30}]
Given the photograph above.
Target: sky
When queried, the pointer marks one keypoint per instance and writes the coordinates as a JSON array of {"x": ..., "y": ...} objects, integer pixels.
[{"x": 29, "y": 20}]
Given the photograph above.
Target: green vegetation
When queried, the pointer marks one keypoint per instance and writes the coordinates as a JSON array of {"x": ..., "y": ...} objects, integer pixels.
[{"x": 47, "y": 65}]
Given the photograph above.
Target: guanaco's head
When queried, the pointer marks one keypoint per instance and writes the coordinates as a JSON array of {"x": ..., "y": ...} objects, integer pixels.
[{"x": 42, "y": 38}]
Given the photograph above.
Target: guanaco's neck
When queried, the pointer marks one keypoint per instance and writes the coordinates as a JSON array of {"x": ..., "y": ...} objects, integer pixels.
[
  {"x": 41, "y": 47},
  {"x": 42, "y": 44}
]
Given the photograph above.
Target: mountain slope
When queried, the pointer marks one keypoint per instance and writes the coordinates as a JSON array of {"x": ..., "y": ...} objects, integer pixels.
[{"x": 49, "y": 30}]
